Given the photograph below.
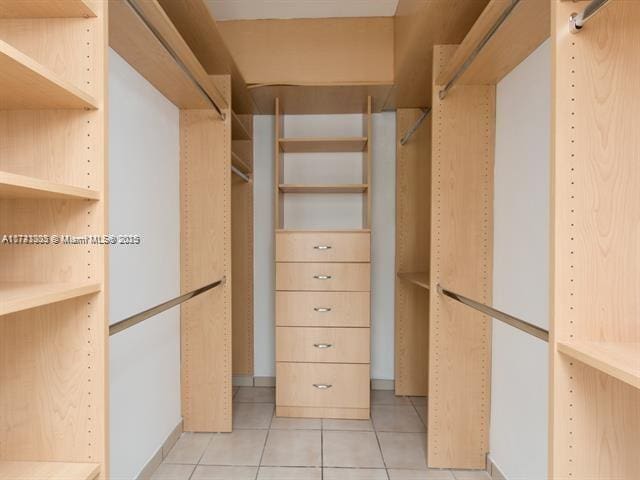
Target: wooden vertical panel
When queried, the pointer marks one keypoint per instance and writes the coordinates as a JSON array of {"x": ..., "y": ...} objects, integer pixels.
[
  {"x": 206, "y": 328},
  {"x": 461, "y": 260},
  {"x": 367, "y": 130},
  {"x": 595, "y": 418},
  {"x": 413, "y": 225},
  {"x": 279, "y": 165}
]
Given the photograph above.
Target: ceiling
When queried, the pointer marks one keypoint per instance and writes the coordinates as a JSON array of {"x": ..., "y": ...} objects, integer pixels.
[{"x": 263, "y": 9}]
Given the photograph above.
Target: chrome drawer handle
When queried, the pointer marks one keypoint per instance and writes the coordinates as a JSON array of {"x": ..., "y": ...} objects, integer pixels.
[
  {"x": 323, "y": 345},
  {"x": 322, "y": 247},
  {"x": 322, "y": 386},
  {"x": 322, "y": 309},
  {"x": 322, "y": 277}
]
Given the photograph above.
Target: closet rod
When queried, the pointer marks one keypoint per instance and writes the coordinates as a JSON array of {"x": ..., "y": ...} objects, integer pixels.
[
  {"x": 239, "y": 173},
  {"x": 515, "y": 322},
  {"x": 476, "y": 51},
  {"x": 142, "y": 316},
  {"x": 412, "y": 130},
  {"x": 577, "y": 20},
  {"x": 179, "y": 62}
]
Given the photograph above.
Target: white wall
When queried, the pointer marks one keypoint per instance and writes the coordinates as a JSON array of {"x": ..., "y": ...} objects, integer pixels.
[
  {"x": 521, "y": 277},
  {"x": 143, "y": 199},
  {"x": 304, "y": 211}
]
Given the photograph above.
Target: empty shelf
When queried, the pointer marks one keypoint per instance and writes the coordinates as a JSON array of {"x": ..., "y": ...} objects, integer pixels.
[
  {"x": 45, "y": 9},
  {"x": 621, "y": 360},
  {"x": 239, "y": 163},
  {"x": 418, "y": 278},
  {"x": 20, "y": 186},
  {"x": 238, "y": 130},
  {"x": 314, "y": 145},
  {"x": 17, "y": 296},
  {"x": 48, "y": 471},
  {"x": 26, "y": 84},
  {"x": 290, "y": 188}
]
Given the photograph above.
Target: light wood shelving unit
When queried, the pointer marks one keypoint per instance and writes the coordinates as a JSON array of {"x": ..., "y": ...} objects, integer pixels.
[
  {"x": 319, "y": 145},
  {"x": 420, "y": 279},
  {"x": 357, "y": 188},
  {"x": 53, "y": 322}
]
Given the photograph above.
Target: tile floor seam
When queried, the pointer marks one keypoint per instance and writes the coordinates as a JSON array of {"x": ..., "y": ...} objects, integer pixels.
[
  {"x": 419, "y": 416},
  {"x": 264, "y": 446},
  {"x": 384, "y": 462}
]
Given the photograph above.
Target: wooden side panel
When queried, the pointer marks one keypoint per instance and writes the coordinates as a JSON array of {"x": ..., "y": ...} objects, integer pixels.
[
  {"x": 279, "y": 164},
  {"x": 206, "y": 322},
  {"x": 367, "y": 130},
  {"x": 595, "y": 418},
  {"x": 413, "y": 226},
  {"x": 461, "y": 259}
]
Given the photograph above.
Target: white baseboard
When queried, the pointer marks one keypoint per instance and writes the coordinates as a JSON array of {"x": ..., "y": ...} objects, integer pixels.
[
  {"x": 264, "y": 381},
  {"x": 242, "y": 380},
  {"x": 162, "y": 452},
  {"x": 383, "y": 384}
]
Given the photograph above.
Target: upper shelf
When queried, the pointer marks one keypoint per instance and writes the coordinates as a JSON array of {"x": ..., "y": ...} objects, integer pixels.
[
  {"x": 528, "y": 25},
  {"x": 238, "y": 129},
  {"x": 20, "y": 186},
  {"x": 45, "y": 9},
  {"x": 293, "y": 188},
  {"x": 315, "y": 145},
  {"x": 48, "y": 470},
  {"x": 417, "y": 278},
  {"x": 621, "y": 360},
  {"x": 26, "y": 84},
  {"x": 18, "y": 296}
]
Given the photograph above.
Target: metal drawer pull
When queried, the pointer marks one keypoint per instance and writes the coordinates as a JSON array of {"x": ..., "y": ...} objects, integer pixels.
[
  {"x": 322, "y": 386},
  {"x": 322, "y": 309},
  {"x": 322, "y": 247},
  {"x": 323, "y": 345},
  {"x": 322, "y": 277}
]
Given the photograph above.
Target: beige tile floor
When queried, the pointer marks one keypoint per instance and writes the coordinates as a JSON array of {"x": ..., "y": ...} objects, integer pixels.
[{"x": 389, "y": 446}]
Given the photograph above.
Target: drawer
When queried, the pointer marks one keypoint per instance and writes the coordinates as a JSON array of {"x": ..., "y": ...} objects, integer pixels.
[
  {"x": 323, "y": 309},
  {"x": 301, "y": 385},
  {"x": 323, "y": 247},
  {"x": 334, "y": 345},
  {"x": 354, "y": 277}
]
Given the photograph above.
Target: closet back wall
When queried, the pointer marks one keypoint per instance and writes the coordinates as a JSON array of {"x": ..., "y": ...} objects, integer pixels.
[
  {"x": 383, "y": 234},
  {"x": 144, "y": 199}
]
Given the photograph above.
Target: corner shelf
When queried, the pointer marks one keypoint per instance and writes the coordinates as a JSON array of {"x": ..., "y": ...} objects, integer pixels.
[
  {"x": 238, "y": 130},
  {"x": 239, "y": 163},
  {"x": 26, "y": 84},
  {"x": 20, "y": 186},
  {"x": 322, "y": 145},
  {"x": 18, "y": 296},
  {"x": 620, "y": 360},
  {"x": 48, "y": 470},
  {"x": 293, "y": 188},
  {"x": 417, "y": 278}
]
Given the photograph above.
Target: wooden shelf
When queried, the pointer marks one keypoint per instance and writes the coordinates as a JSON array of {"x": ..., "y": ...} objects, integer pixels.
[
  {"x": 621, "y": 360},
  {"x": 238, "y": 130},
  {"x": 315, "y": 230},
  {"x": 48, "y": 471},
  {"x": 26, "y": 84},
  {"x": 20, "y": 186},
  {"x": 317, "y": 145},
  {"x": 291, "y": 188},
  {"x": 45, "y": 9},
  {"x": 18, "y": 296},
  {"x": 239, "y": 163},
  {"x": 418, "y": 278}
]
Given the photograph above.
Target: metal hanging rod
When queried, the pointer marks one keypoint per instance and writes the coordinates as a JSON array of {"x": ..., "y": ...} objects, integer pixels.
[
  {"x": 412, "y": 130},
  {"x": 476, "y": 51},
  {"x": 239, "y": 173},
  {"x": 140, "y": 317},
  {"x": 167, "y": 47},
  {"x": 577, "y": 20},
  {"x": 515, "y": 322}
]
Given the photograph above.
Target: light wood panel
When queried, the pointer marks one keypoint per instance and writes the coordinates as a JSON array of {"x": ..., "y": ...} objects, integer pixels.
[
  {"x": 313, "y": 145},
  {"x": 17, "y": 296},
  {"x": 419, "y": 25},
  {"x": 292, "y": 188},
  {"x": 323, "y": 345},
  {"x": 413, "y": 227},
  {"x": 14, "y": 186},
  {"x": 323, "y": 246},
  {"x": 323, "y": 309},
  {"x": 45, "y": 9},
  {"x": 595, "y": 411},
  {"x": 461, "y": 259},
  {"x": 26, "y": 84},
  {"x": 526, "y": 27},
  {"x": 48, "y": 471},
  {"x": 367, "y": 128},
  {"x": 346, "y": 277},
  {"x": 241, "y": 126},
  {"x": 279, "y": 165},
  {"x": 206, "y": 255}
]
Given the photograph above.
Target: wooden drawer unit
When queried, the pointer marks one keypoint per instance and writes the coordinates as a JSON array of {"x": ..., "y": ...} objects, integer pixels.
[
  {"x": 323, "y": 309},
  {"x": 322, "y": 345},
  {"x": 322, "y": 385},
  {"x": 354, "y": 277},
  {"x": 323, "y": 246}
]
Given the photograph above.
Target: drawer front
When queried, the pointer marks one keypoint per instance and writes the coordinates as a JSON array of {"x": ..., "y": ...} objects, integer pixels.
[
  {"x": 347, "y": 277},
  {"x": 333, "y": 345},
  {"x": 323, "y": 309},
  {"x": 322, "y": 385},
  {"x": 323, "y": 247}
]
